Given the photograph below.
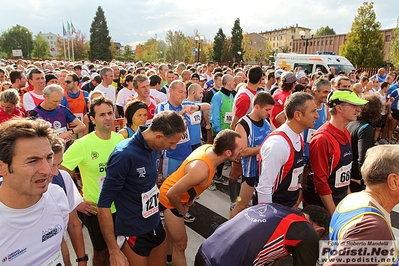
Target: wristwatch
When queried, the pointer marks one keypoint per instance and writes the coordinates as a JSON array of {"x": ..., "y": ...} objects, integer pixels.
[{"x": 84, "y": 258}]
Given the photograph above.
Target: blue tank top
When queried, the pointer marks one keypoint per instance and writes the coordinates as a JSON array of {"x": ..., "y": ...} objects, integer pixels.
[
  {"x": 130, "y": 131},
  {"x": 255, "y": 138},
  {"x": 183, "y": 148}
]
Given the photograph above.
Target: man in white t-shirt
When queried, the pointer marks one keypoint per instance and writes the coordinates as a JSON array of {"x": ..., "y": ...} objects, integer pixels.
[
  {"x": 34, "y": 213},
  {"x": 155, "y": 86},
  {"x": 37, "y": 82},
  {"x": 107, "y": 76}
]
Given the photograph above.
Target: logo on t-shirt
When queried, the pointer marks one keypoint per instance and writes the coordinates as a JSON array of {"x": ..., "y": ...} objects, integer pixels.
[
  {"x": 13, "y": 255},
  {"x": 94, "y": 155},
  {"x": 141, "y": 171},
  {"x": 257, "y": 214},
  {"x": 46, "y": 235}
]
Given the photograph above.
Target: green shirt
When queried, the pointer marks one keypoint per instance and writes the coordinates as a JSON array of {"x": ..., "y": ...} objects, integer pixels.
[{"x": 91, "y": 154}]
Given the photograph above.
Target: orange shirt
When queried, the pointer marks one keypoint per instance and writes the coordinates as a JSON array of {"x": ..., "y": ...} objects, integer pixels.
[{"x": 192, "y": 193}]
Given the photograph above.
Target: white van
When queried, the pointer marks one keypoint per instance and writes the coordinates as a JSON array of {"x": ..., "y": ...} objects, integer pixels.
[{"x": 313, "y": 62}]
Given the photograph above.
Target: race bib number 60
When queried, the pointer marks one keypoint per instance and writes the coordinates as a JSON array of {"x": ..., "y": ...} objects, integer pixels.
[{"x": 149, "y": 201}]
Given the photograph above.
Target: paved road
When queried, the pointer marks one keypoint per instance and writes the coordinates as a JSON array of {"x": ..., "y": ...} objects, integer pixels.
[{"x": 211, "y": 210}]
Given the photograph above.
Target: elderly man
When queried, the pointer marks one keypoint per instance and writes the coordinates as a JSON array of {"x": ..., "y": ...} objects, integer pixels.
[
  {"x": 365, "y": 215},
  {"x": 59, "y": 116}
]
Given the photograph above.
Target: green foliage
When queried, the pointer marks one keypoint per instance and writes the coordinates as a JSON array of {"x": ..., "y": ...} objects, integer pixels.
[
  {"x": 236, "y": 41},
  {"x": 17, "y": 37},
  {"x": 394, "y": 53},
  {"x": 285, "y": 49},
  {"x": 177, "y": 46},
  {"x": 218, "y": 44},
  {"x": 100, "y": 41},
  {"x": 80, "y": 46},
  {"x": 41, "y": 48},
  {"x": 364, "y": 46},
  {"x": 128, "y": 52},
  {"x": 151, "y": 52},
  {"x": 324, "y": 31}
]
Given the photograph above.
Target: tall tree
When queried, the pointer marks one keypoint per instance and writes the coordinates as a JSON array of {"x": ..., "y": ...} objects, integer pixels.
[
  {"x": 41, "y": 48},
  {"x": 177, "y": 46},
  {"x": 364, "y": 45},
  {"x": 325, "y": 31},
  {"x": 394, "y": 53},
  {"x": 17, "y": 37},
  {"x": 100, "y": 41},
  {"x": 226, "y": 52},
  {"x": 236, "y": 41},
  {"x": 218, "y": 43}
]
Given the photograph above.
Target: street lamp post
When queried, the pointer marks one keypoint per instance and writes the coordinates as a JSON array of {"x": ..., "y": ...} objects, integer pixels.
[
  {"x": 27, "y": 42},
  {"x": 198, "y": 41},
  {"x": 239, "y": 56},
  {"x": 303, "y": 37}
]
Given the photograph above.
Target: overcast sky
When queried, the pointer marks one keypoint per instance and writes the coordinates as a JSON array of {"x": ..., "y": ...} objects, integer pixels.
[{"x": 134, "y": 21}]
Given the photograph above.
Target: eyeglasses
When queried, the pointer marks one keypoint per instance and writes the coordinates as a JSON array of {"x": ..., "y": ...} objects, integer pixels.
[{"x": 68, "y": 81}]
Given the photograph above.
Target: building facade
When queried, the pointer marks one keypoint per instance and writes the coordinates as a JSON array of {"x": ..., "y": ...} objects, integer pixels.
[
  {"x": 282, "y": 39},
  {"x": 330, "y": 44},
  {"x": 51, "y": 38}
]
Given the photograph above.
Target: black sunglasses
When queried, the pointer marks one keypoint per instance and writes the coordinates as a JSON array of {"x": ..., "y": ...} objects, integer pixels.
[{"x": 68, "y": 81}]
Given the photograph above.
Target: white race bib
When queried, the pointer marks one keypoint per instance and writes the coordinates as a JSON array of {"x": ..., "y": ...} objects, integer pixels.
[
  {"x": 149, "y": 201},
  {"x": 228, "y": 117},
  {"x": 79, "y": 116},
  {"x": 55, "y": 260},
  {"x": 185, "y": 137},
  {"x": 195, "y": 118},
  {"x": 296, "y": 176},
  {"x": 310, "y": 134},
  {"x": 148, "y": 122},
  {"x": 343, "y": 176},
  {"x": 61, "y": 130}
]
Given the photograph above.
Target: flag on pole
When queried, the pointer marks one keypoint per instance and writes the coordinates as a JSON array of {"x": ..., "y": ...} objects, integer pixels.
[
  {"x": 63, "y": 30},
  {"x": 69, "y": 29},
  {"x": 73, "y": 29}
]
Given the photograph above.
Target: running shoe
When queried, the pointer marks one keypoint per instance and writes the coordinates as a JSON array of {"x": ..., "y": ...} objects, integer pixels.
[
  {"x": 212, "y": 186},
  {"x": 188, "y": 218},
  {"x": 383, "y": 141},
  {"x": 221, "y": 180}
]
